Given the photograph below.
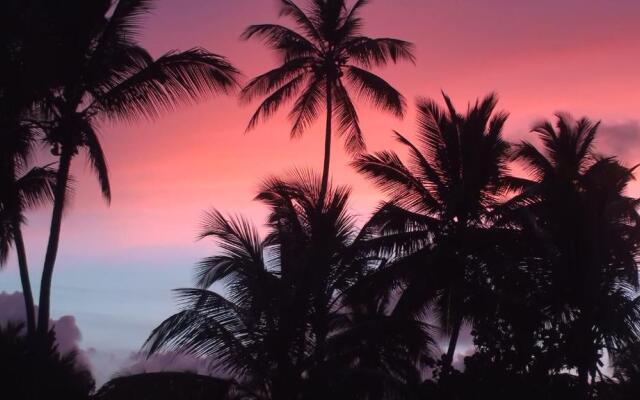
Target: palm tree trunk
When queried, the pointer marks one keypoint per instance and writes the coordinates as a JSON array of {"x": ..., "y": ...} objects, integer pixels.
[
  {"x": 453, "y": 342},
  {"x": 24, "y": 276},
  {"x": 327, "y": 144},
  {"x": 16, "y": 227},
  {"x": 62, "y": 177}
]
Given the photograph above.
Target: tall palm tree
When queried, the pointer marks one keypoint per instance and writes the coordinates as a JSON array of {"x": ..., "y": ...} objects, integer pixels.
[
  {"x": 435, "y": 221},
  {"x": 34, "y": 37},
  {"x": 588, "y": 228},
  {"x": 322, "y": 59},
  {"x": 21, "y": 190},
  {"x": 112, "y": 77},
  {"x": 281, "y": 326}
]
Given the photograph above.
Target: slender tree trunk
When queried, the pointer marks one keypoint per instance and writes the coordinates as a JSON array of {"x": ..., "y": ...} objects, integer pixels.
[
  {"x": 62, "y": 177},
  {"x": 453, "y": 342},
  {"x": 327, "y": 143},
  {"x": 24, "y": 275}
]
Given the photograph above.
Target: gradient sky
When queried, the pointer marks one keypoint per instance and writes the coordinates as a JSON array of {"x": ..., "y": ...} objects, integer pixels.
[{"x": 117, "y": 264}]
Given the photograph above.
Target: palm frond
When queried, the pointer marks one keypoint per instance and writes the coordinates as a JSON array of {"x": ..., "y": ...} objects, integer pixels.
[
  {"x": 352, "y": 23},
  {"x": 307, "y": 107},
  {"x": 36, "y": 187},
  {"x": 376, "y": 90},
  {"x": 286, "y": 41},
  {"x": 275, "y": 100},
  {"x": 125, "y": 21},
  {"x": 306, "y": 23},
  {"x": 420, "y": 163},
  {"x": 236, "y": 236},
  {"x": 266, "y": 83},
  {"x": 348, "y": 121},
  {"x": 97, "y": 159},
  {"x": 535, "y": 162},
  {"x": 379, "y": 51},
  {"x": 6, "y": 236},
  {"x": 209, "y": 327},
  {"x": 172, "y": 79},
  {"x": 387, "y": 170}
]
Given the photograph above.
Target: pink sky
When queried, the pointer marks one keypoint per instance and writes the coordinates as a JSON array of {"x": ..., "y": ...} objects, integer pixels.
[
  {"x": 540, "y": 56},
  {"x": 575, "y": 56}
]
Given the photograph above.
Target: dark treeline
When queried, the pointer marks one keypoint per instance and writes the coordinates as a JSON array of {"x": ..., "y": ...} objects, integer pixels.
[{"x": 541, "y": 267}]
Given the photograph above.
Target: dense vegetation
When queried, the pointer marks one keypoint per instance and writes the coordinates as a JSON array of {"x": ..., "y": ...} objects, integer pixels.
[{"x": 542, "y": 267}]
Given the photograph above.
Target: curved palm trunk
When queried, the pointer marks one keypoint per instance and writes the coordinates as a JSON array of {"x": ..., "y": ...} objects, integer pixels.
[
  {"x": 453, "y": 342},
  {"x": 62, "y": 177},
  {"x": 327, "y": 143},
  {"x": 24, "y": 275}
]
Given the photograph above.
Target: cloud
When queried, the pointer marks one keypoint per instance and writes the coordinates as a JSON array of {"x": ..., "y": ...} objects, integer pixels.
[
  {"x": 68, "y": 336},
  {"x": 170, "y": 361},
  {"x": 11, "y": 307},
  {"x": 621, "y": 140}
]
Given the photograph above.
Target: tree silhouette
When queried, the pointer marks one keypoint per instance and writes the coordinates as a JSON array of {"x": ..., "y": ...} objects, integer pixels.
[
  {"x": 41, "y": 372},
  {"x": 587, "y": 228},
  {"x": 436, "y": 216},
  {"x": 20, "y": 193},
  {"x": 34, "y": 38},
  {"x": 114, "y": 78},
  {"x": 320, "y": 61},
  {"x": 164, "y": 385},
  {"x": 282, "y": 326},
  {"x": 626, "y": 370}
]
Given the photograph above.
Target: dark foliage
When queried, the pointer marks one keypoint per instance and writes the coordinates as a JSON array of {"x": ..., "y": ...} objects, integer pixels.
[
  {"x": 38, "y": 371},
  {"x": 282, "y": 326},
  {"x": 164, "y": 386}
]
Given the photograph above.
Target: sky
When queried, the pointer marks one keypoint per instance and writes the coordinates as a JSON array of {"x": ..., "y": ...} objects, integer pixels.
[{"x": 117, "y": 264}]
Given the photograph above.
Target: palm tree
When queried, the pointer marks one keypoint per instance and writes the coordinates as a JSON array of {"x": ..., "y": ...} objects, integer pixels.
[
  {"x": 435, "y": 221},
  {"x": 326, "y": 55},
  {"x": 33, "y": 38},
  {"x": 281, "y": 325},
  {"x": 21, "y": 189},
  {"x": 587, "y": 228},
  {"x": 112, "y": 77},
  {"x": 20, "y": 193}
]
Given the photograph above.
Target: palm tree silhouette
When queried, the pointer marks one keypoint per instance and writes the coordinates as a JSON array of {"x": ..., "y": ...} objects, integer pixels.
[
  {"x": 114, "y": 78},
  {"x": 575, "y": 205},
  {"x": 33, "y": 41},
  {"x": 281, "y": 326},
  {"x": 20, "y": 193},
  {"x": 326, "y": 55},
  {"x": 438, "y": 207},
  {"x": 21, "y": 189}
]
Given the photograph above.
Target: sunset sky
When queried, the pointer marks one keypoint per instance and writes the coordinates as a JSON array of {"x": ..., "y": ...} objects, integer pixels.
[{"x": 118, "y": 263}]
